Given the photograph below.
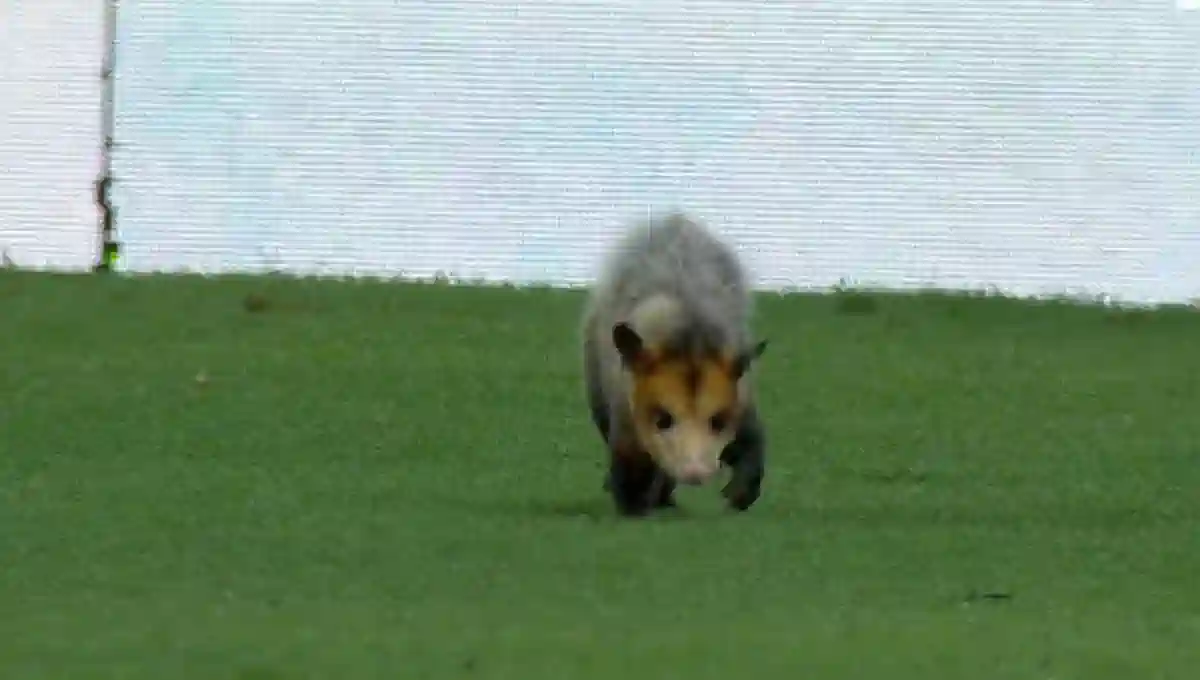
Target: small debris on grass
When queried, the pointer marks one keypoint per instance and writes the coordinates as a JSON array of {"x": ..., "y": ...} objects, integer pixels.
[
  {"x": 255, "y": 303},
  {"x": 987, "y": 596}
]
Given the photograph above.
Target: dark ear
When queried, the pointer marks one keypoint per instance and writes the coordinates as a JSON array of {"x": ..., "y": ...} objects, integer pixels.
[
  {"x": 741, "y": 364},
  {"x": 628, "y": 343}
]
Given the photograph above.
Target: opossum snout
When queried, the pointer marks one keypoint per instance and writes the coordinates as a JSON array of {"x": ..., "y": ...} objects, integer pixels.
[{"x": 695, "y": 473}]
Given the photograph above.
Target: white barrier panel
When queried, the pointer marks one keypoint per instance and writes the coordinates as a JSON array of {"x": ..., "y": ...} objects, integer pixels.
[
  {"x": 51, "y": 56},
  {"x": 1038, "y": 146}
]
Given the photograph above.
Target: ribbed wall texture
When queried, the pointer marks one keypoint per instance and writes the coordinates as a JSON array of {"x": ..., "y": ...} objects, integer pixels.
[
  {"x": 51, "y": 53},
  {"x": 1039, "y": 146}
]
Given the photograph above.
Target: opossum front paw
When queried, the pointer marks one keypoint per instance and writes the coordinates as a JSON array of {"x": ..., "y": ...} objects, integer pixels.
[
  {"x": 638, "y": 505},
  {"x": 633, "y": 490},
  {"x": 641, "y": 504},
  {"x": 743, "y": 491},
  {"x": 665, "y": 498}
]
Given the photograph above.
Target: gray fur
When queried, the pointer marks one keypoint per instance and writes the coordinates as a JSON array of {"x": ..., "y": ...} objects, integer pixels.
[
  {"x": 675, "y": 283},
  {"x": 667, "y": 275}
]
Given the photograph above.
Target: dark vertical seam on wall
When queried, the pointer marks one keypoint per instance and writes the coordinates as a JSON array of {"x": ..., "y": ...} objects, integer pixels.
[{"x": 109, "y": 247}]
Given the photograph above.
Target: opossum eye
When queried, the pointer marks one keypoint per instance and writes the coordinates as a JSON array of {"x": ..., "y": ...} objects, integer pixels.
[
  {"x": 662, "y": 419},
  {"x": 719, "y": 422}
]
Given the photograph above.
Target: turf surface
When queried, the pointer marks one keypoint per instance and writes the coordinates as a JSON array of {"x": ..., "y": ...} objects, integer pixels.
[{"x": 270, "y": 479}]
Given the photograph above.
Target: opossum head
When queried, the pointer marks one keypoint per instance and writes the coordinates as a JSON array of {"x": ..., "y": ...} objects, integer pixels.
[{"x": 686, "y": 400}]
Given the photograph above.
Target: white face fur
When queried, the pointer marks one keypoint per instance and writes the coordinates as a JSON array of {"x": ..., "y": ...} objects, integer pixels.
[
  {"x": 688, "y": 450},
  {"x": 685, "y": 413}
]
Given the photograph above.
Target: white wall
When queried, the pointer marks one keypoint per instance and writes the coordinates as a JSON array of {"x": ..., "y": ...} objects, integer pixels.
[
  {"x": 51, "y": 55},
  {"x": 1040, "y": 146}
]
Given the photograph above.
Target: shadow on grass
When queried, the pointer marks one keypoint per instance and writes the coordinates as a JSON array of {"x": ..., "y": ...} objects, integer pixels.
[
  {"x": 883, "y": 513},
  {"x": 593, "y": 509}
]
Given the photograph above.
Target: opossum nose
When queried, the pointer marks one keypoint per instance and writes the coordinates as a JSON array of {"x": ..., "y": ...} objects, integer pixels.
[{"x": 695, "y": 474}]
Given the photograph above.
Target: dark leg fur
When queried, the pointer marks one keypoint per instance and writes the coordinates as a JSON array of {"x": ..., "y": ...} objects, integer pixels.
[
  {"x": 666, "y": 494},
  {"x": 637, "y": 485},
  {"x": 746, "y": 456}
]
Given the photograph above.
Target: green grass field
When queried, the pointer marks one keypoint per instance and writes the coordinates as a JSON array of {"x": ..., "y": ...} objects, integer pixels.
[{"x": 370, "y": 480}]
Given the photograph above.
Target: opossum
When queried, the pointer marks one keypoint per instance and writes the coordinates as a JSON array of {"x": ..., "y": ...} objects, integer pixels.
[{"x": 667, "y": 348}]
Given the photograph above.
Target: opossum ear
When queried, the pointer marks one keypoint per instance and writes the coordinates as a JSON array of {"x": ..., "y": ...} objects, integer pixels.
[
  {"x": 742, "y": 362},
  {"x": 628, "y": 343}
]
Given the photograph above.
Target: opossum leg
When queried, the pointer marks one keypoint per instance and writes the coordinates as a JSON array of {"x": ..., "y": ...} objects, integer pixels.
[
  {"x": 665, "y": 488},
  {"x": 635, "y": 482},
  {"x": 666, "y": 492},
  {"x": 746, "y": 456},
  {"x": 665, "y": 497}
]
